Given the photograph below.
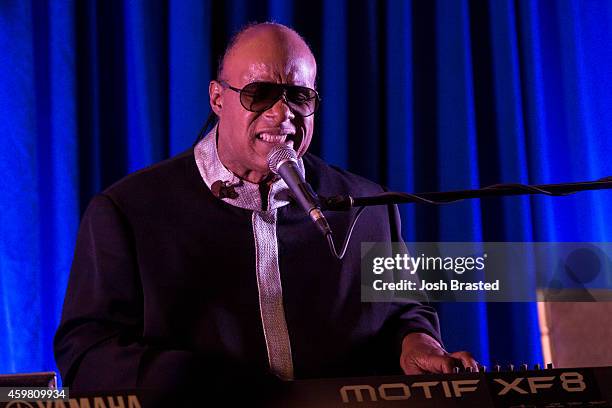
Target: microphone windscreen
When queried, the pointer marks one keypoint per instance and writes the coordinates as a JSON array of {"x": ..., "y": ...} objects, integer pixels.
[{"x": 280, "y": 154}]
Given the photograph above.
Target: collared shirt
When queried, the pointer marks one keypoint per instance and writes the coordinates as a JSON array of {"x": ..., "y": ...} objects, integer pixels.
[{"x": 248, "y": 196}]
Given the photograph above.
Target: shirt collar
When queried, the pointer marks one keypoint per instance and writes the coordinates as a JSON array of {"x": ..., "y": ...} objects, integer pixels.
[{"x": 247, "y": 195}]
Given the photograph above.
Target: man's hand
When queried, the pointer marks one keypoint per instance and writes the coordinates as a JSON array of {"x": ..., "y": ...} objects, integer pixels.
[{"x": 423, "y": 354}]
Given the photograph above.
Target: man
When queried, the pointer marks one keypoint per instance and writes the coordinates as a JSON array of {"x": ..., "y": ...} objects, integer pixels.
[{"x": 201, "y": 269}]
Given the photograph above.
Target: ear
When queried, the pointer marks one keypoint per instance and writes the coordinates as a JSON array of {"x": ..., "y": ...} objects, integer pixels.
[{"x": 215, "y": 96}]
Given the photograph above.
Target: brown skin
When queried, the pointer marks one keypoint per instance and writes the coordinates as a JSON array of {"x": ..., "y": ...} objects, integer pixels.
[
  {"x": 273, "y": 53},
  {"x": 423, "y": 354},
  {"x": 265, "y": 53}
]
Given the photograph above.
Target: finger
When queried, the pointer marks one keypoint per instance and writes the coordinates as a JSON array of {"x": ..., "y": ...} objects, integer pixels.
[
  {"x": 431, "y": 364},
  {"x": 447, "y": 364},
  {"x": 467, "y": 360}
]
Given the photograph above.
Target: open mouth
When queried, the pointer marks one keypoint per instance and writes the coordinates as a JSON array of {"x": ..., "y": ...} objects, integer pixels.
[{"x": 276, "y": 138}]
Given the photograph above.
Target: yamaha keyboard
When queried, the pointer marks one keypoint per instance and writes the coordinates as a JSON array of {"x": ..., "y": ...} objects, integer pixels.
[{"x": 512, "y": 388}]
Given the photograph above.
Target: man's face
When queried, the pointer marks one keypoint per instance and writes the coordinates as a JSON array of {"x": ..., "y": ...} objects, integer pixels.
[{"x": 246, "y": 138}]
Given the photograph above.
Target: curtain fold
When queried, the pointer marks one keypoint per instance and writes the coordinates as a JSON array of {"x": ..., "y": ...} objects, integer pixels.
[{"x": 418, "y": 96}]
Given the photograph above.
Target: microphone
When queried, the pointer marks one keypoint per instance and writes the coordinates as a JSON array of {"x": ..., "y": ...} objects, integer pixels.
[{"x": 282, "y": 160}]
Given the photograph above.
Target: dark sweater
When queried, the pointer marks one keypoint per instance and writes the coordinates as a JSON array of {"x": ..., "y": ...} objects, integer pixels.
[{"x": 163, "y": 289}]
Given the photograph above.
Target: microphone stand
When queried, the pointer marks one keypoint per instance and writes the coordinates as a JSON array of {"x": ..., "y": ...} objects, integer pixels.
[{"x": 346, "y": 202}]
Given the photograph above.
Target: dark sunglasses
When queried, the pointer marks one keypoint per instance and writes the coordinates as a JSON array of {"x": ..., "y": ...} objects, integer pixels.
[{"x": 261, "y": 96}]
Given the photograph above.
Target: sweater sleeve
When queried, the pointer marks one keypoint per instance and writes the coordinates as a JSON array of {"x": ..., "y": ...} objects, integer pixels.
[
  {"x": 408, "y": 316},
  {"x": 99, "y": 345}
]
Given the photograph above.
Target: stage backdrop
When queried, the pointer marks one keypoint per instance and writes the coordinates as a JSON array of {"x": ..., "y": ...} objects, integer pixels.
[{"x": 420, "y": 96}]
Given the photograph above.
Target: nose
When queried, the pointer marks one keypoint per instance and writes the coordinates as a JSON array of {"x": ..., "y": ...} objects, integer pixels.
[{"x": 280, "y": 110}]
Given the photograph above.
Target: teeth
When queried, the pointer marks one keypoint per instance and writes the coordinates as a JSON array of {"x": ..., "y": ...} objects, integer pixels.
[{"x": 266, "y": 137}]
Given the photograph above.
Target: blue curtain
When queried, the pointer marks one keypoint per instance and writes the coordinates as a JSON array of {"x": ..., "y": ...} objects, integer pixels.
[{"x": 419, "y": 96}]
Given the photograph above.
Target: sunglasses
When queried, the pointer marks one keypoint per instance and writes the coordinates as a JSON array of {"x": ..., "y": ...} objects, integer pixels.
[{"x": 261, "y": 96}]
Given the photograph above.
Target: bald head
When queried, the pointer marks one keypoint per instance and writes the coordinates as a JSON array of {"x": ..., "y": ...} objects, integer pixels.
[{"x": 266, "y": 38}]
